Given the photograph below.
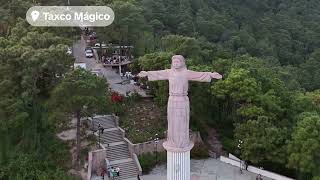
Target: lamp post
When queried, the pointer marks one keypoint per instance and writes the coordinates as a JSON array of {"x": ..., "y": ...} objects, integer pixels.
[
  {"x": 100, "y": 129},
  {"x": 156, "y": 141},
  {"x": 239, "y": 147}
]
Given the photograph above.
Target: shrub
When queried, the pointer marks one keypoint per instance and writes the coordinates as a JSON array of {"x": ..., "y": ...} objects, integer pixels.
[
  {"x": 149, "y": 160},
  {"x": 199, "y": 151}
]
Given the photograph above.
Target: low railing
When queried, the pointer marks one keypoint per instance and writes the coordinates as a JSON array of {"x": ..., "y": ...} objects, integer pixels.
[
  {"x": 136, "y": 161},
  {"x": 236, "y": 162}
]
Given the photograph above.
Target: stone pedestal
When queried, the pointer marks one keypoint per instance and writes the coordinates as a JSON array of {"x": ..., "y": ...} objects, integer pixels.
[{"x": 178, "y": 162}]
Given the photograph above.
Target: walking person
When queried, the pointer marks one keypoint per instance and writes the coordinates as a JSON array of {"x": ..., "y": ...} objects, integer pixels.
[
  {"x": 246, "y": 165},
  {"x": 108, "y": 171},
  {"x": 259, "y": 177},
  {"x": 118, "y": 171},
  {"x": 112, "y": 171},
  {"x": 103, "y": 172}
]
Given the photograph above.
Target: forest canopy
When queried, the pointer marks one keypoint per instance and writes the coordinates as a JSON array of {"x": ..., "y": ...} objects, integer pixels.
[{"x": 267, "y": 51}]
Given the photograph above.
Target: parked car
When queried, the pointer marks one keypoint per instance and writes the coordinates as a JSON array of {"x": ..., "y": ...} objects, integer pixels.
[{"x": 89, "y": 52}]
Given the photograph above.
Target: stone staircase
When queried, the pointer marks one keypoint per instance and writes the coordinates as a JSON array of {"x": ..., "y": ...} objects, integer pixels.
[{"x": 117, "y": 151}]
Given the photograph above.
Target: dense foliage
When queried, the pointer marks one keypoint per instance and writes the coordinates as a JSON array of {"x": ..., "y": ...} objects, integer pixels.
[
  {"x": 33, "y": 62},
  {"x": 268, "y": 52}
]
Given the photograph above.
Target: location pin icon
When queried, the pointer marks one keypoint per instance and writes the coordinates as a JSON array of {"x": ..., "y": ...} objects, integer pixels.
[{"x": 35, "y": 15}]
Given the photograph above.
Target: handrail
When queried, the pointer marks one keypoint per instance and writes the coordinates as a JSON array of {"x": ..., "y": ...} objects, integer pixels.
[{"x": 136, "y": 160}]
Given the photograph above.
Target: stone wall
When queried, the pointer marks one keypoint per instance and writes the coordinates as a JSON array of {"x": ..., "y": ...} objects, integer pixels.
[
  {"x": 234, "y": 161},
  {"x": 151, "y": 146},
  {"x": 96, "y": 161}
]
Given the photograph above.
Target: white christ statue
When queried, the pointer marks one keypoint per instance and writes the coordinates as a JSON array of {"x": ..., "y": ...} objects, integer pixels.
[{"x": 178, "y": 104}]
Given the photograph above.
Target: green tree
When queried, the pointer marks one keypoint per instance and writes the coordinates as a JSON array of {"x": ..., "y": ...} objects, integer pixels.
[
  {"x": 79, "y": 94},
  {"x": 309, "y": 72},
  {"x": 157, "y": 61},
  {"x": 304, "y": 147},
  {"x": 262, "y": 141}
]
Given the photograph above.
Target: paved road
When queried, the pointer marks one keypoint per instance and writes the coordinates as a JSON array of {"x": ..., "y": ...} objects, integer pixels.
[{"x": 112, "y": 77}]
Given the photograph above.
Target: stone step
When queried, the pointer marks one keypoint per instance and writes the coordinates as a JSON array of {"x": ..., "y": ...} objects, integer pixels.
[
  {"x": 126, "y": 175},
  {"x": 105, "y": 123},
  {"x": 117, "y": 151},
  {"x": 114, "y": 144},
  {"x": 95, "y": 127},
  {"x": 119, "y": 155},
  {"x": 104, "y": 119},
  {"x": 108, "y": 136},
  {"x": 127, "y": 169},
  {"x": 110, "y": 129},
  {"x": 111, "y": 134},
  {"x": 109, "y": 141},
  {"x": 114, "y": 131},
  {"x": 121, "y": 161},
  {"x": 110, "y": 149},
  {"x": 121, "y": 144},
  {"x": 113, "y": 158}
]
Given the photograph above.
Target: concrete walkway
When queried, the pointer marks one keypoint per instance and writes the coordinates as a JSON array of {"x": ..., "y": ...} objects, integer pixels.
[
  {"x": 208, "y": 169},
  {"x": 112, "y": 77}
]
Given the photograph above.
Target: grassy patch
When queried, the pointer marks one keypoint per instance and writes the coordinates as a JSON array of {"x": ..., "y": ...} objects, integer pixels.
[
  {"x": 142, "y": 120},
  {"x": 150, "y": 160}
]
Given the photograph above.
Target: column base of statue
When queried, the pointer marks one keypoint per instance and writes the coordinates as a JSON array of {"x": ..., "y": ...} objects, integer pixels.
[{"x": 178, "y": 162}]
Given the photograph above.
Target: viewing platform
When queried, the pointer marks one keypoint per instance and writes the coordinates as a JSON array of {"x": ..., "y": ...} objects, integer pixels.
[{"x": 117, "y": 64}]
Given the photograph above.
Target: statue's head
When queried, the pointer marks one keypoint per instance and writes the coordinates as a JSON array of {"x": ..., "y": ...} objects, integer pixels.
[{"x": 178, "y": 62}]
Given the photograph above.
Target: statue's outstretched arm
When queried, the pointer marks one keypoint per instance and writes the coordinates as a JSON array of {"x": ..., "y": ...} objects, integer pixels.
[
  {"x": 155, "y": 75},
  {"x": 202, "y": 76}
]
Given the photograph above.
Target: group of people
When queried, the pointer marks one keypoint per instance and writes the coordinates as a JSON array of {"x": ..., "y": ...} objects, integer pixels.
[
  {"x": 106, "y": 60},
  {"x": 114, "y": 60},
  {"x": 127, "y": 75},
  {"x": 113, "y": 172}
]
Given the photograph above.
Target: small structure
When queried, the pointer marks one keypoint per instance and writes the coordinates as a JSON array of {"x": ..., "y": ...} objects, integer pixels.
[
  {"x": 115, "y": 55},
  {"x": 79, "y": 65}
]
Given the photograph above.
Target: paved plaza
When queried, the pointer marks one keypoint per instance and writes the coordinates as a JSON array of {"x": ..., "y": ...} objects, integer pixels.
[{"x": 208, "y": 169}]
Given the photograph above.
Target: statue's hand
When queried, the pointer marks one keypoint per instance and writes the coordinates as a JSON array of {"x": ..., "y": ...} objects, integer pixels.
[
  {"x": 216, "y": 75},
  {"x": 143, "y": 74}
]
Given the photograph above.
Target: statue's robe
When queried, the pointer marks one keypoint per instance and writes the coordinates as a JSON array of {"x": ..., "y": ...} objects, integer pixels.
[{"x": 178, "y": 104}]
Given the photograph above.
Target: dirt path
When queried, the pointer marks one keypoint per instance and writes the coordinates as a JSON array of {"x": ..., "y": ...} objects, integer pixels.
[
  {"x": 215, "y": 146},
  {"x": 69, "y": 136}
]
